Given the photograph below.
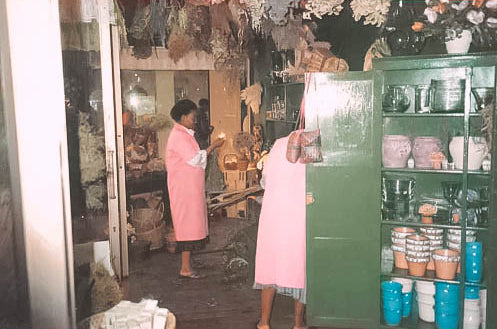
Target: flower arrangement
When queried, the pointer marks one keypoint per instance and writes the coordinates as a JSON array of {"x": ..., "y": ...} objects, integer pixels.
[{"x": 447, "y": 19}]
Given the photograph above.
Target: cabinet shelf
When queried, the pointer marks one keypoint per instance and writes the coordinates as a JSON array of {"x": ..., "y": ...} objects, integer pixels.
[
  {"x": 435, "y": 171},
  {"x": 413, "y": 224},
  {"x": 429, "y": 276},
  {"x": 427, "y": 115}
]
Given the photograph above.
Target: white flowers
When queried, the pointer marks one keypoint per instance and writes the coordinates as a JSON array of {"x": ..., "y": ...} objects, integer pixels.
[
  {"x": 322, "y": 8},
  {"x": 475, "y": 17},
  {"x": 374, "y": 12},
  {"x": 461, "y": 6},
  {"x": 431, "y": 15}
]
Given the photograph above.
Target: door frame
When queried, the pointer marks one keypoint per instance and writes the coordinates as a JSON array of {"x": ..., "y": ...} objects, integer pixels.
[{"x": 114, "y": 197}]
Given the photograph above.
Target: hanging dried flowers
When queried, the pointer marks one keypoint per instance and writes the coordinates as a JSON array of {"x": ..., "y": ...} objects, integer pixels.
[
  {"x": 199, "y": 28},
  {"x": 257, "y": 12},
  {"x": 179, "y": 44},
  {"x": 320, "y": 8},
  {"x": 279, "y": 10},
  {"x": 375, "y": 12}
]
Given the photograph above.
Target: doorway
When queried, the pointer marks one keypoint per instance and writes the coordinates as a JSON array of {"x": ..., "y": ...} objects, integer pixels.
[{"x": 147, "y": 98}]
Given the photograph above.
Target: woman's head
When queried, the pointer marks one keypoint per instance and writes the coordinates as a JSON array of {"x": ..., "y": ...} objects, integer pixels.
[{"x": 183, "y": 112}]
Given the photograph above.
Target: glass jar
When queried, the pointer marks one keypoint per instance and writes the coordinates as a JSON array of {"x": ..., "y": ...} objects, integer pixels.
[{"x": 395, "y": 99}]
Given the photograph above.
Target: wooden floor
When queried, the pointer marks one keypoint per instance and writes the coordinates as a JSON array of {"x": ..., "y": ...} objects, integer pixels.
[{"x": 207, "y": 303}]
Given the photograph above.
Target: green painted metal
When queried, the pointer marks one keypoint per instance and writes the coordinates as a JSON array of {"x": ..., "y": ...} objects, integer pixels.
[
  {"x": 344, "y": 227},
  {"x": 342, "y": 224}
]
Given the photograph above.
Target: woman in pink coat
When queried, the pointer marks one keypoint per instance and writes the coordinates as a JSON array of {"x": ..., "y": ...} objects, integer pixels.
[
  {"x": 185, "y": 164},
  {"x": 280, "y": 254}
]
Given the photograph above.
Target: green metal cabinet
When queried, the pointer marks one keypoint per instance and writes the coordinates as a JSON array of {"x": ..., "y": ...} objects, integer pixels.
[{"x": 345, "y": 230}]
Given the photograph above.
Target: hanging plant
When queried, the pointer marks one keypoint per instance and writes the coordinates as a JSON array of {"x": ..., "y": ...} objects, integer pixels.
[
  {"x": 200, "y": 28},
  {"x": 179, "y": 45},
  {"x": 257, "y": 12},
  {"x": 320, "y": 8},
  {"x": 375, "y": 12}
]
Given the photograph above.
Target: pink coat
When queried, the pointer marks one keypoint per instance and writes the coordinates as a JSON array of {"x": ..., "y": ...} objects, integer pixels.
[
  {"x": 186, "y": 185},
  {"x": 280, "y": 254}
]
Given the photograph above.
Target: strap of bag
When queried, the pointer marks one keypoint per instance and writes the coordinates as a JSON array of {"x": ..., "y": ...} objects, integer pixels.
[{"x": 301, "y": 119}]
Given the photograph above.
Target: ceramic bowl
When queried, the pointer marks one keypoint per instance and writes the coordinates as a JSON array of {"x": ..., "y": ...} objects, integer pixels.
[
  {"x": 402, "y": 232},
  {"x": 418, "y": 254},
  {"x": 434, "y": 237},
  {"x": 458, "y": 232},
  {"x": 398, "y": 241}
]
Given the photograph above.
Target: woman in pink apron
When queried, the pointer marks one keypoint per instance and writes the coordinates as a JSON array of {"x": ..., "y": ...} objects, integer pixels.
[
  {"x": 185, "y": 164},
  {"x": 280, "y": 254}
]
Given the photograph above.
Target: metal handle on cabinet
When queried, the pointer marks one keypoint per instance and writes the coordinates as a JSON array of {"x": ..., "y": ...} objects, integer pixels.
[{"x": 110, "y": 175}]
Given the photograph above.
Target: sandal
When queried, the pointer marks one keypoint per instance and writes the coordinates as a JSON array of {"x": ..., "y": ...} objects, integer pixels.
[{"x": 192, "y": 275}]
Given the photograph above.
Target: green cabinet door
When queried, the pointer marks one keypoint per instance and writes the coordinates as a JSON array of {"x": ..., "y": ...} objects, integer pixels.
[{"x": 343, "y": 229}]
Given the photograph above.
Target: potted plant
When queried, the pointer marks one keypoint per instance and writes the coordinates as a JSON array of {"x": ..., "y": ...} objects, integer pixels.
[{"x": 458, "y": 22}]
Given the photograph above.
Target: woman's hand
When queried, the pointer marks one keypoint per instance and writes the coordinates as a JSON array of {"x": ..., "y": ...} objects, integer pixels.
[
  {"x": 218, "y": 142},
  {"x": 215, "y": 144}
]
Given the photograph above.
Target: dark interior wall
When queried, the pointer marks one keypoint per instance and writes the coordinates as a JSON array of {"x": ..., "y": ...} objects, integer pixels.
[{"x": 349, "y": 39}]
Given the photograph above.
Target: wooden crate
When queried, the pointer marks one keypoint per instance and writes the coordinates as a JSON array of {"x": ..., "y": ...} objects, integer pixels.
[{"x": 235, "y": 180}]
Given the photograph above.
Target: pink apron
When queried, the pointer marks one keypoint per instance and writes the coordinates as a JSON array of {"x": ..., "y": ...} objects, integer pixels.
[
  {"x": 280, "y": 255},
  {"x": 186, "y": 185}
]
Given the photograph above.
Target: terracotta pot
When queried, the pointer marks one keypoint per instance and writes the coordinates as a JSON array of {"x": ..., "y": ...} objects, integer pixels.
[
  {"x": 477, "y": 151},
  {"x": 418, "y": 239},
  {"x": 446, "y": 263},
  {"x": 422, "y": 149},
  {"x": 427, "y": 219},
  {"x": 417, "y": 267},
  {"x": 400, "y": 260},
  {"x": 395, "y": 151},
  {"x": 402, "y": 232}
]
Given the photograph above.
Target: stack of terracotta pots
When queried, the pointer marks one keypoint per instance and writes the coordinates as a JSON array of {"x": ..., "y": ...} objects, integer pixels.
[
  {"x": 417, "y": 254},
  {"x": 454, "y": 238},
  {"x": 399, "y": 235},
  {"x": 436, "y": 242}
]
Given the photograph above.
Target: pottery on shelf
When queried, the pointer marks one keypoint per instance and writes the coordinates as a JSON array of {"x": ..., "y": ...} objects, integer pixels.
[
  {"x": 446, "y": 263},
  {"x": 459, "y": 45},
  {"x": 395, "y": 151},
  {"x": 422, "y": 149},
  {"x": 477, "y": 151}
]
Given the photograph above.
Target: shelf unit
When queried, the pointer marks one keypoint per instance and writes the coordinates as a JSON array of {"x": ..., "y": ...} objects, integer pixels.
[
  {"x": 477, "y": 71},
  {"x": 290, "y": 96}
]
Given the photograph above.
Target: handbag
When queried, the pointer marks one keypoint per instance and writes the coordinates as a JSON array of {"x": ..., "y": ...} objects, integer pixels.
[{"x": 293, "y": 147}]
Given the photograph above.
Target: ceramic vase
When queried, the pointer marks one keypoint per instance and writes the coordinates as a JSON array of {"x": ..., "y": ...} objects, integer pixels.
[
  {"x": 422, "y": 149},
  {"x": 459, "y": 45},
  {"x": 477, "y": 151},
  {"x": 395, "y": 151}
]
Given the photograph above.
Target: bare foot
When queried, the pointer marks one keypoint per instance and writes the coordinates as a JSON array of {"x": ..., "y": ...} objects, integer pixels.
[
  {"x": 260, "y": 326},
  {"x": 304, "y": 327}
]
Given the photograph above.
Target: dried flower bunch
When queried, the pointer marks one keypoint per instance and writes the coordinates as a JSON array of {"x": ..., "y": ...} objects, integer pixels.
[
  {"x": 448, "y": 18},
  {"x": 320, "y": 8},
  {"x": 375, "y": 12}
]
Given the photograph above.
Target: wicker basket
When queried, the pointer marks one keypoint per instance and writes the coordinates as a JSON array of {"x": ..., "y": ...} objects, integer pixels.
[{"x": 155, "y": 236}]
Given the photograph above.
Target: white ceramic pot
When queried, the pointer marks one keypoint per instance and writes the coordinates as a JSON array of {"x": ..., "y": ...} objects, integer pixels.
[
  {"x": 426, "y": 311},
  {"x": 459, "y": 45},
  {"x": 477, "y": 151},
  {"x": 406, "y": 284},
  {"x": 472, "y": 314},
  {"x": 425, "y": 287},
  {"x": 483, "y": 307}
]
